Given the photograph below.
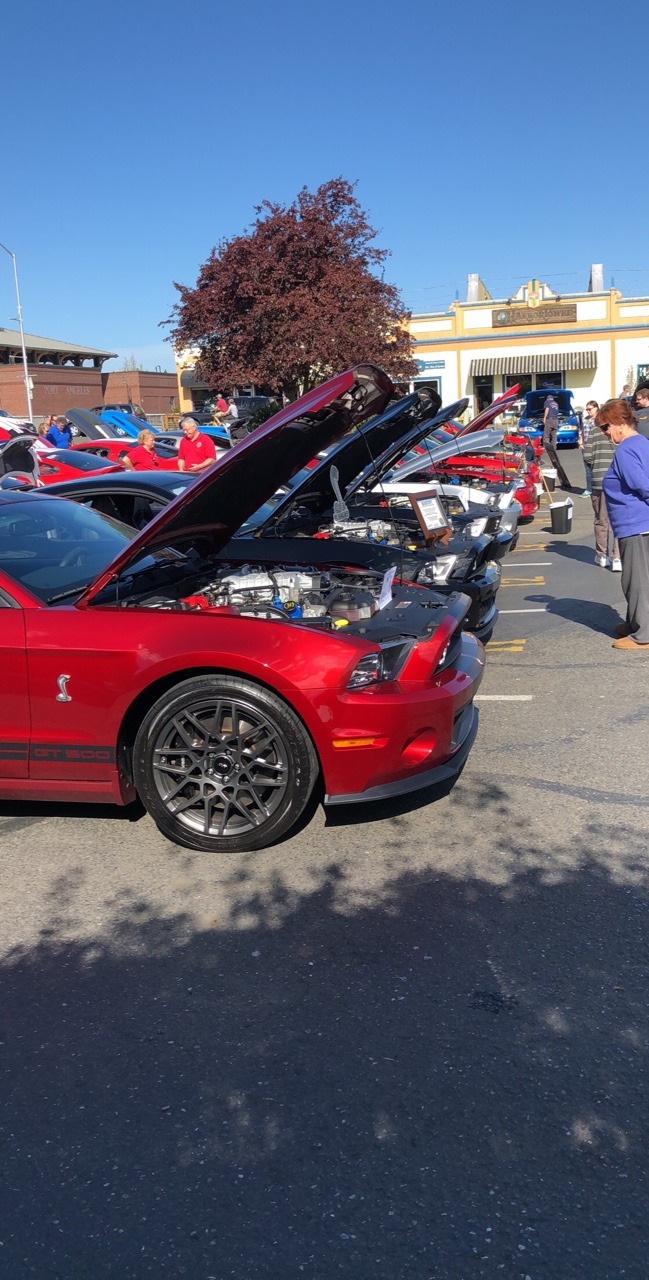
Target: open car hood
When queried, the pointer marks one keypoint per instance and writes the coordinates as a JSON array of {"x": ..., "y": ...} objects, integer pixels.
[
  {"x": 95, "y": 428},
  {"x": 373, "y": 439},
  {"x": 213, "y": 508},
  {"x": 535, "y": 402},
  {"x": 465, "y": 446},
  {"x": 492, "y": 411}
]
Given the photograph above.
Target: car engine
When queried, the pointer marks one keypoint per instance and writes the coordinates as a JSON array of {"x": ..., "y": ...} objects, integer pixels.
[
  {"x": 293, "y": 593},
  {"x": 298, "y": 593}
]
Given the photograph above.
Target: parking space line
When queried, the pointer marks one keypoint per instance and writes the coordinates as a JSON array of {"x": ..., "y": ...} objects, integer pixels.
[
  {"x": 515, "y": 640},
  {"x": 536, "y": 581},
  {"x": 541, "y": 610},
  {"x": 532, "y": 564},
  {"x": 513, "y": 648},
  {"x": 504, "y": 697}
]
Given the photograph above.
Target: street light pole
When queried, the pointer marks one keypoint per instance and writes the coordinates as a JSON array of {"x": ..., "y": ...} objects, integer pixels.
[{"x": 28, "y": 392}]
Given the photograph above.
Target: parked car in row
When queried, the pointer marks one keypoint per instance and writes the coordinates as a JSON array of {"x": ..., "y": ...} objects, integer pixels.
[
  {"x": 124, "y": 406},
  {"x": 245, "y": 405},
  {"x": 226, "y": 694},
  {"x": 466, "y": 559}
]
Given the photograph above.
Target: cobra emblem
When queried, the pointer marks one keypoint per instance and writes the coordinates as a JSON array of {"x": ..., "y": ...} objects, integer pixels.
[{"x": 63, "y": 695}]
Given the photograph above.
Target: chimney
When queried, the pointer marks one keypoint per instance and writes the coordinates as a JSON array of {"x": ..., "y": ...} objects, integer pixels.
[
  {"x": 476, "y": 290},
  {"x": 596, "y": 281}
]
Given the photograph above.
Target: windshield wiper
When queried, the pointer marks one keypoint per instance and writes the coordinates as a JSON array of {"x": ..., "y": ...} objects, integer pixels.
[{"x": 66, "y": 595}]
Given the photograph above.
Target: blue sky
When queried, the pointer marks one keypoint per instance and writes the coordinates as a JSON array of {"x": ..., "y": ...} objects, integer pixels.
[{"x": 498, "y": 137}]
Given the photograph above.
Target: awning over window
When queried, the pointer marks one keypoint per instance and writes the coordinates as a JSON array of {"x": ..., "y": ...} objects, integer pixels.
[{"x": 548, "y": 362}]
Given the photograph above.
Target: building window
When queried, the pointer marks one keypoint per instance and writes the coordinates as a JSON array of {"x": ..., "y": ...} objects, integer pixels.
[
  {"x": 483, "y": 388},
  {"x": 549, "y": 381},
  {"x": 522, "y": 380},
  {"x": 427, "y": 384}
]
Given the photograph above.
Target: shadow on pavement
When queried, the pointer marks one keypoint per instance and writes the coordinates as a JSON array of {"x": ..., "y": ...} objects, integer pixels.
[
  {"x": 575, "y": 551},
  {"x": 439, "y": 1074},
  {"x": 593, "y": 614}
]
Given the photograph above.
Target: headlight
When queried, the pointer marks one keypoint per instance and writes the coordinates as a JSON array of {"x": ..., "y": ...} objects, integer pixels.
[
  {"x": 375, "y": 668},
  {"x": 442, "y": 568},
  {"x": 478, "y": 527}
]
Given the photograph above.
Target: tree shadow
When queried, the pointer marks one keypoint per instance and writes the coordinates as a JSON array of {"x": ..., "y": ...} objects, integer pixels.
[{"x": 436, "y": 1075}]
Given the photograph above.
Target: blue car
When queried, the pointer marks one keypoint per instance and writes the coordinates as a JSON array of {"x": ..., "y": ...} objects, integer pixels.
[
  {"x": 531, "y": 421},
  {"x": 131, "y": 426}
]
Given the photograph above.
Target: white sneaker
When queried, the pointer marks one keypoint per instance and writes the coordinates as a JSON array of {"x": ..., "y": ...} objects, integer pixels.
[
  {"x": 603, "y": 562},
  {"x": 616, "y": 566}
]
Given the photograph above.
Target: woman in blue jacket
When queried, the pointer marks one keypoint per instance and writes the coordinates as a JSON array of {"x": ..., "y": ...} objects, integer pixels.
[{"x": 626, "y": 489}]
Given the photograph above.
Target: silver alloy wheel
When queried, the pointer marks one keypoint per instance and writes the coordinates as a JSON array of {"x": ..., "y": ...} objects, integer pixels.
[{"x": 220, "y": 766}]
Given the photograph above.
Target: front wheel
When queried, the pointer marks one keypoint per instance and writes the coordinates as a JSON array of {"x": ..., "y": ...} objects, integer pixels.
[{"x": 223, "y": 765}]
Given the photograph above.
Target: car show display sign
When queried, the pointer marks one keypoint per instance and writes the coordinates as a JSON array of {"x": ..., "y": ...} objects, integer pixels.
[{"x": 431, "y": 515}]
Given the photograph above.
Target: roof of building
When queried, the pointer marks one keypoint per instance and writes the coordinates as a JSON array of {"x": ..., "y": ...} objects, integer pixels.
[{"x": 11, "y": 338}]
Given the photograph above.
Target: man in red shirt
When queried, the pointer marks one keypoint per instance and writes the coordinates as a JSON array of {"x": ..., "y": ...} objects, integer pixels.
[
  {"x": 221, "y": 405},
  {"x": 195, "y": 452}
]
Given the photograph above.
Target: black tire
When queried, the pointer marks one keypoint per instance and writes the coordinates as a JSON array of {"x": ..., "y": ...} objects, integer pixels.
[{"x": 223, "y": 765}]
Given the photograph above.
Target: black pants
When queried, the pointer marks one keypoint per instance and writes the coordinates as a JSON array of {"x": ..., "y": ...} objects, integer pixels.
[
  {"x": 554, "y": 459},
  {"x": 635, "y": 584}
]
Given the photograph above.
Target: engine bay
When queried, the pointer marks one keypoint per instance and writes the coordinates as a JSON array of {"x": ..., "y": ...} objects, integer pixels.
[{"x": 362, "y": 602}]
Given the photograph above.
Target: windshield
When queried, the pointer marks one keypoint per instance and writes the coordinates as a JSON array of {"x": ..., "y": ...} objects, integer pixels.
[
  {"x": 81, "y": 460},
  {"x": 56, "y": 548}
]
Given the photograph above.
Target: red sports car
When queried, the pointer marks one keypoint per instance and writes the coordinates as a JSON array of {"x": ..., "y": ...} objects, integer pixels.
[
  {"x": 26, "y": 457},
  {"x": 510, "y": 462},
  {"x": 68, "y": 464},
  {"x": 116, "y": 450},
  {"x": 500, "y": 468},
  {"x": 222, "y": 692}
]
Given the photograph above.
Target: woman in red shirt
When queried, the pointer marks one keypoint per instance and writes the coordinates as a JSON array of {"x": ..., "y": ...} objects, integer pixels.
[{"x": 143, "y": 457}]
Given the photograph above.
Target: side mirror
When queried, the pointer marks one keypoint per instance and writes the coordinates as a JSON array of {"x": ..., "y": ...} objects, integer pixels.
[{"x": 17, "y": 480}]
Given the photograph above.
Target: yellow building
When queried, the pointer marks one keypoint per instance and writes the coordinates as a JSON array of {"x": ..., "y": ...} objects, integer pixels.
[{"x": 591, "y": 343}]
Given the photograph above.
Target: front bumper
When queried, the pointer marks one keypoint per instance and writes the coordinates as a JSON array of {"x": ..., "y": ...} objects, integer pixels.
[
  {"x": 426, "y": 731},
  {"x": 505, "y": 540},
  {"x": 431, "y": 778},
  {"x": 481, "y": 590}
]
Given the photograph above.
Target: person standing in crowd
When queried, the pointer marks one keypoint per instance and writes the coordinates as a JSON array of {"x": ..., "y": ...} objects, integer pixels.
[
  {"x": 196, "y": 452},
  {"x": 626, "y": 392},
  {"x": 642, "y": 411},
  {"x": 587, "y": 425},
  {"x": 41, "y": 443},
  {"x": 598, "y": 456},
  {"x": 60, "y": 433},
  {"x": 626, "y": 489},
  {"x": 550, "y": 428},
  {"x": 143, "y": 457}
]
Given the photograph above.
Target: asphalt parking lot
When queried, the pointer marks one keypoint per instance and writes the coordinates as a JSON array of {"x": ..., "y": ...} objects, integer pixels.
[{"x": 409, "y": 1042}]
